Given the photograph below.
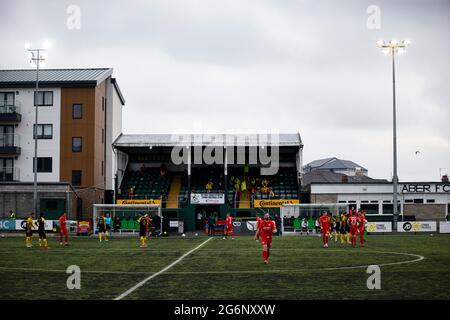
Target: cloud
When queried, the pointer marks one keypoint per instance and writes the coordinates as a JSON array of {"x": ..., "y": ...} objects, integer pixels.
[{"x": 307, "y": 66}]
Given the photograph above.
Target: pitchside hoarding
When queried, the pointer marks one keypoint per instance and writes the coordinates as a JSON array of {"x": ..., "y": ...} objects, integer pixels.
[
  {"x": 244, "y": 227},
  {"x": 138, "y": 201},
  {"x": 374, "y": 227},
  {"x": 20, "y": 224},
  {"x": 7, "y": 224},
  {"x": 275, "y": 203},
  {"x": 416, "y": 226},
  {"x": 444, "y": 226},
  {"x": 207, "y": 198}
]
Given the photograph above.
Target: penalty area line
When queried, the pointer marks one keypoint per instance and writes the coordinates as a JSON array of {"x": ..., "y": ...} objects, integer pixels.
[{"x": 140, "y": 284}]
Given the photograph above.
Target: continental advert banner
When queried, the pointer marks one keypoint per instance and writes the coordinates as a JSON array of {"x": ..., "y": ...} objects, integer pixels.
[
  {"x": 274, "y": 203},
  {"x": 138, "y": 201}
]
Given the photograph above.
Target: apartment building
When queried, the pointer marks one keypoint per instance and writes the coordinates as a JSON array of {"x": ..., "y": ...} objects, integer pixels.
[{"x": 79, "y": 116}]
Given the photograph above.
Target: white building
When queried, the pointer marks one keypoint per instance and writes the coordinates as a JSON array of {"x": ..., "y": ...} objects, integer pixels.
[{"x": 79, "y": 117}]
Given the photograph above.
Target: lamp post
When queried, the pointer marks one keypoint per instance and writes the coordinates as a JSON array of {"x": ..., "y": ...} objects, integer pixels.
[
  {"x": 37, "y": 58},
  {"x": 393, "y": 47}
]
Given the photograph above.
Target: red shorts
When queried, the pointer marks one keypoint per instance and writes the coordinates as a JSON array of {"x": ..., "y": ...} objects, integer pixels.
[
  {"x": 353, "y": 231},
  {"x": 325, "y": 231},
  {"x": 361, "y": 231},
  {"x": 229, "y": 229},
  {"x": 63, "y": 230},
  {"x": 266, "y": 241}
]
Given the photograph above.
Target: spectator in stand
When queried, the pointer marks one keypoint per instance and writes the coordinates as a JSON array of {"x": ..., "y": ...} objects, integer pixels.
[
  {"x": 272, "y": 194},
  {"x": 164, "y": 200},
  {"x": 265, "y": 186},
  {"x": 162, "y": 170},
  {"x": 243, "y": 185},
  {"x": 237, "y": 184},
  {"x": 131, "y": 193},
  {"x": 143, "y": 169},
  {"x": 209, "y": 186}
]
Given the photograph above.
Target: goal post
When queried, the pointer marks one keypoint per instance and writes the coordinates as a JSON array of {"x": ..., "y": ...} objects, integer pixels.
[
  {"x": 127, "y": 213},
  {"x": 292, "y": 215}
]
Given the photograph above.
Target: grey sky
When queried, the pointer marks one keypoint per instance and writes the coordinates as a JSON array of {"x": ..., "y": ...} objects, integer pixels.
[{"x": 307, "y": 66}]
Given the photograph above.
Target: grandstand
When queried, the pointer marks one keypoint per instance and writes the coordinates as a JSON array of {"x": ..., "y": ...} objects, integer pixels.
[{"x": 146, "y": 171}]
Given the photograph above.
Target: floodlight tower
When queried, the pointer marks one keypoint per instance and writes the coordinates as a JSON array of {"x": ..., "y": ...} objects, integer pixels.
[
  {"x": 37, "y": 58},
  {"x": 393, "y": 47}
]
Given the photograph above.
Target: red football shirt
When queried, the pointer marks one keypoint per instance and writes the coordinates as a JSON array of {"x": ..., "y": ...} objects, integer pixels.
[
  {"x": 362, "y": 222},
  {"x": 353, "y": 221},
  {"x": 266, "y": 228},
  {"x": 324, "y": 222},
  {"x": 229, "y": 221},
  {"x": 62, "y": 222}
]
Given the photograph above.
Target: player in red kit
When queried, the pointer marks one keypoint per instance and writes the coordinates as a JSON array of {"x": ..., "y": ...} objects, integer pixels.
[
  {"x": 63, "y": 230},
  {"x": 229, "y": 227},
  {"x": 266, "y": 228},
  {"x": 353, "y": 223},
  {"x": 362, "y": 222},
  {"x": 324, "y": 222}
]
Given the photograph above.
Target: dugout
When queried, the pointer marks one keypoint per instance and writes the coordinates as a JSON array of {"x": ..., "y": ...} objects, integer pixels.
[{"x": 243, "y": 174}]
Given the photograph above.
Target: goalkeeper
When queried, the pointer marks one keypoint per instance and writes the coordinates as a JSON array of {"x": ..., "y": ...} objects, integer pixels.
[{"x": 143, "y": 223}]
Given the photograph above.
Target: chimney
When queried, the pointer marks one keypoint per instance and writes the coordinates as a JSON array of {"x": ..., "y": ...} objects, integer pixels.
[
  {"x": 344, "y": 178},
  {"x": 444, "y": 178}
]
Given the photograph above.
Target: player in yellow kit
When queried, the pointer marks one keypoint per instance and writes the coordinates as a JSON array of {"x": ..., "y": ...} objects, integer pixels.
[
  {"x": 143, "y": 224},
  {"x": 29, "y": 231},
  {"x": 343, "y": 227},
  {"x": 40, "y": 224}
]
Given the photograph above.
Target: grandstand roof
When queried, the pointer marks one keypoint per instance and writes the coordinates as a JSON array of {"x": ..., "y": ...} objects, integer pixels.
[{"x": 170, "y": 140}]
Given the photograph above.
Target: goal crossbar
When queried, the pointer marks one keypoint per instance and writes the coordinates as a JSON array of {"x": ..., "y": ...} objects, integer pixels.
[
  {"x": 132, "y": 210},
  {"x": 292, "y": 214}
]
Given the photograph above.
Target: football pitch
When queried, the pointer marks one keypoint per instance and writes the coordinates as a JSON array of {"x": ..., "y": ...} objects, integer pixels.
[{"x": 412, "y": 267}]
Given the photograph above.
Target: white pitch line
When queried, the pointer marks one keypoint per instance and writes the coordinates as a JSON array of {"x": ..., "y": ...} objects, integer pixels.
[
  {"x": 87, "y": 271},
  {"x": 126, "y": 293},
  {"x": 419, "y": 258}
]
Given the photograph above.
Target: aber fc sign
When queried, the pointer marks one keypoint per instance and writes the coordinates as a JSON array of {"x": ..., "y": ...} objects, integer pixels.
[{"x": 425, "y": 188}]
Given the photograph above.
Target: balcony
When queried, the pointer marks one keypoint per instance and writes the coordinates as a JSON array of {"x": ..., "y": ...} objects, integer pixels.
[
  {"x": 9, "y": 144},
  {"x": 9, "y": 174},
  {"x": 10, "y": 112}
]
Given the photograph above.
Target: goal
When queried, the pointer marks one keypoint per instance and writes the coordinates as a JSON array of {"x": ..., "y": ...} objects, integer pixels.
[
  {"x": 127, "y": 214},
  {"x": 292, "y": 215}
]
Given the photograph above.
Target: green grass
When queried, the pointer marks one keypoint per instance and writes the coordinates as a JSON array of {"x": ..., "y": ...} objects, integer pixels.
[{"x": 299, "y": 269}]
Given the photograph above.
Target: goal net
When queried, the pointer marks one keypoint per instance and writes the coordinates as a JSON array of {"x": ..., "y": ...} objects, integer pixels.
[
  {"x": 126, "y": 215},
  {"x": 297, "y": 217}
]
